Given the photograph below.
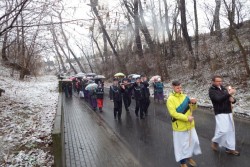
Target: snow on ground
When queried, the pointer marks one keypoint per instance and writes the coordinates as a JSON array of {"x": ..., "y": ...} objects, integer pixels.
[{"x": 27, "y": 111}]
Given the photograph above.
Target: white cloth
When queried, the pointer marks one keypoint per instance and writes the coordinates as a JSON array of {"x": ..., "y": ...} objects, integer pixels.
[
  {"x": 186, "y": 144},
  {"x": 224, "y": 131}
]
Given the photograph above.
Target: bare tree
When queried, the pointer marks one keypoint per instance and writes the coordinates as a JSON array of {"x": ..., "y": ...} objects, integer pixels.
[
  {"x": 137, "y": 32},
  {"x": 217, "y": 18},
  {"x": 170, "y": 38},
  {"x": 196, "y": 31},
  {"x": 67, "y": 44},
  {"x": 233, "y": 34},
  {"x": 120, "y": 64},
  {"x": 11, "y": 14},
  {"x": 231, "y": 17},
  {"x": 191, "y": 58}
]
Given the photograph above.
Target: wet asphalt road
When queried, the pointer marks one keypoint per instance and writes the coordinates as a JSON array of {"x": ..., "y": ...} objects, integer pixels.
[{"x": 150, "y": 140}]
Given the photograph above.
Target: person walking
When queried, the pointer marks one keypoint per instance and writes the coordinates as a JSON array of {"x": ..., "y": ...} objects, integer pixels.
[
  {"x": 146, "y": 93},
  {"x": 158, "y": 90},
  {"x": 139, "y": 95},
  {"x": 115, "y": 94},
  {"x": 126, "y": 94},
  {"x": 99, "y": 96},
  {"x": 222, "y": 100},
  {"x": 93, "y": 98},
  {"x": 185, "y": 138}
]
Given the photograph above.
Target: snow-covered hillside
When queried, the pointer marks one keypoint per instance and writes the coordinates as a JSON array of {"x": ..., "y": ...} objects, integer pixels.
[{"x": 27, "y": 110}]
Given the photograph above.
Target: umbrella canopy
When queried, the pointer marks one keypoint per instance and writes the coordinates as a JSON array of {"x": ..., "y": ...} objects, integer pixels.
[
  {"x": 90, "y": 74},
  {"x": 131, "y": 75},
  {"x": 99, "y": 77},
  {"x": 136, "y": 76},
  {"x": 154, "y": 78},
  {"x": 91, "y": 86},
  {"x": 67, "y": 80},
  {"x": 80, "y": 74},
  {"x": 119, "y": 74},
  {"x": 72, "y": 78}
]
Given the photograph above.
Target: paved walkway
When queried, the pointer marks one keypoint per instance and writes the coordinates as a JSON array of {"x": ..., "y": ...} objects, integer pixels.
[{"x": 89, "y": 142}]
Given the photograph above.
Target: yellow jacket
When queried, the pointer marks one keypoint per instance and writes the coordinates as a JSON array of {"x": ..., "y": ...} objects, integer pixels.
[{"x": 178, "y": 105}]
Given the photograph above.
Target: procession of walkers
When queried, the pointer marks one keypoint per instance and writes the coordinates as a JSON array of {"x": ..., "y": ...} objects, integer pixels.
[{"x": 179, "y": 105}]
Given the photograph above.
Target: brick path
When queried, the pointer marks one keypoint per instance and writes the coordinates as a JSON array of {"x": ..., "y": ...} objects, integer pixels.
[{"x": 89, "y": 142}]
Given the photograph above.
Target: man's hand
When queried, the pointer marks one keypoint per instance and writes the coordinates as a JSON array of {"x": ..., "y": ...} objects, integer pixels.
[
  {"x": 231, "y": 99},
  {"x": 193, "y": 100},
  {"x": 231, "y": 90},
  {"x": 190, "y": 118}
]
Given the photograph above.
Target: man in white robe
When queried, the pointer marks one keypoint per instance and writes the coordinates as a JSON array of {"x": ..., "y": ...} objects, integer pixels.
[
  {"x": 222, "y": 102},
  {"x": 186, "y": 142}
]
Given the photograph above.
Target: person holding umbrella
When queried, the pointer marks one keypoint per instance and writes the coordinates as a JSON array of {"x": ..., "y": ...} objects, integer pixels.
[
  {"x": 158, "y": 90},
  {"x": 222, "y": 99},
  {"x": 115, "y": 94},
  {"x": 100, "y": 95},
  {"x": 185, "y": 138}
]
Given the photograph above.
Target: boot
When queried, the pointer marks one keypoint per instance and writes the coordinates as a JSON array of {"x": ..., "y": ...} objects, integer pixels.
[
  {"x": 100, "y": 109},
  {"x": 191, "y": 162}
]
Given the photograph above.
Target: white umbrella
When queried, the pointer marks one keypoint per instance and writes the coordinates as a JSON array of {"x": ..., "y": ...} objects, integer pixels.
[
  {"x": 80, "y": 74},
  {"x": 154, "y": 78},
  {"x": 91, "y": 86},
  {"x": 100, "y": 77},
  {"x": 136, "y": 76}
]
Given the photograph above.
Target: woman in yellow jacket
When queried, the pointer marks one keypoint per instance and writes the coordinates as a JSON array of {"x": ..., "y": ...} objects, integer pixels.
[{"x": 186, "y": 142}]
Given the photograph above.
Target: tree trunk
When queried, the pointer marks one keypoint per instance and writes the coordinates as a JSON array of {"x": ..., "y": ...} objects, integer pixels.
[
  {"x": 137, "y": 33},
  {"x": 243, "y": 52},
  {"x": 145, "y": 30},
  {"x": 121, "y": 65},
  {"x": 191, "y": 58},
  {"x": 170, "y": 39},
  {"x": 217, "y": 18},
  {"x": 105, "y": 48},
  {"x": 196, "y": 32},
  {"x": 59, "y": 54},
  {"x": 64, "y": 53},
  {"x": 67, "y": 44},
  {"x": 230, "y": 15},
  {"x": 86, "y": 57},
  {"x": 4, "y": 47},
  {"x": 232, "y": 31}
]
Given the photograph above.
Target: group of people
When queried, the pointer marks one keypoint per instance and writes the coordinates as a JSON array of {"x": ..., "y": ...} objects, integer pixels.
[
  {"x": 185, "y": 138},
  {"x": 94, "y": 95},
  {"x": 180, "y": 107},
  {"x": 122, "y": 91}
]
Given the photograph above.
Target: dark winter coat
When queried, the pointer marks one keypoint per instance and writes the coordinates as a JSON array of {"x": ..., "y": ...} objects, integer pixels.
[
  {"x": 146, "y": 89},
  {"x": 139, "y": 91},
  {"x": 99, "y": 93},
  {"x": 220, "y": 100},
  {"x": 115, "y": 93},
  {"x": 127, "y": 91}
]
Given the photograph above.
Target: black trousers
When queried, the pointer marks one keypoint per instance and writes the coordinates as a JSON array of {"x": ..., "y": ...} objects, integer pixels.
[
  {"x": 140, "y": 106},
  {"x": 118, "y": 108},
  {"x": 147, "y": 103},
  {"x": 127, "y": 101}
]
